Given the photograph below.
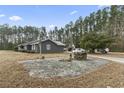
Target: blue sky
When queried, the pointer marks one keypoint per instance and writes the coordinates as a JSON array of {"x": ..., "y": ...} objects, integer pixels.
[{"x": 44, "y": 15}]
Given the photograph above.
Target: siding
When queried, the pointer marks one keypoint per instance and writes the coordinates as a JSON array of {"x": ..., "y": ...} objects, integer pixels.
[{"x": 54, "y": 48}]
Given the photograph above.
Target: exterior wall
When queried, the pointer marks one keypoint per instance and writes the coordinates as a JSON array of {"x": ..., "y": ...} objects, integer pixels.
[
  {"x": 33, "y": 47},
  {"x": 21, "y": 49},
  {"x": 53, "y": 47}
]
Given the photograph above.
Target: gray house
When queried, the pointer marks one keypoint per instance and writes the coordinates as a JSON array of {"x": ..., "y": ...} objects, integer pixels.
[{"x": 47, "y": 46}]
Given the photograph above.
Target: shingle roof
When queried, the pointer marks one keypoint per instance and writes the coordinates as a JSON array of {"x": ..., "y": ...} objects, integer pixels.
[
  {"x": 37, "y": 41},
  {"x": 56, "y": 42},
  {"x": 28, "y": 43},
  {"x": 59, "y": 43}
]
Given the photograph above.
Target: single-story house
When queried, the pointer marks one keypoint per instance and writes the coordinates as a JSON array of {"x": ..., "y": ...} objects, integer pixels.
[{"x": 47, "y": 46}]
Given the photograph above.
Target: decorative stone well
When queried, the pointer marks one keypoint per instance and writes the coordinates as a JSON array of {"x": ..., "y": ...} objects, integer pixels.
[{"x": 80, "y": 56}]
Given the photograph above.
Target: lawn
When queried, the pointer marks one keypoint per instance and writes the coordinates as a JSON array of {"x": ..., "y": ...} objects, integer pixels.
[{"x": 13, "y": 74}]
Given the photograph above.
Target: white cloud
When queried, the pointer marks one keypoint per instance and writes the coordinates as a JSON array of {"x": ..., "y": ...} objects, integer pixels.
[
  {"x": 15, "y": 18},
  {"x": 73, "y": 12},
  {"x": 2, "y": 15}
]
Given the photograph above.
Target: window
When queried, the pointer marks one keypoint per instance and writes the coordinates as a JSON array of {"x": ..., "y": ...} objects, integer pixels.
[
  {"x": 48, "y": 47},
  {"x": 22, "y": 47}
]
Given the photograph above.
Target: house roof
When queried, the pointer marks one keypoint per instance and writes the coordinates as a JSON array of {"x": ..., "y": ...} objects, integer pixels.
[
  {"x": 55, "y": 42},
  {"x": 59, "y": 43},
  {"x": 37, "y": 42},
  {"x": 29, "y": 43}
]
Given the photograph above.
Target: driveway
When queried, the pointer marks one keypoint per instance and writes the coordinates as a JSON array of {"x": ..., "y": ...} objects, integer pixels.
[{"x": 115, "y": 59}]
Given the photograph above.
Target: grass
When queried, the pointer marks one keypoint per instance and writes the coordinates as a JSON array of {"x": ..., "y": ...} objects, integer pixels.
[{"x": 12, "y": 74}]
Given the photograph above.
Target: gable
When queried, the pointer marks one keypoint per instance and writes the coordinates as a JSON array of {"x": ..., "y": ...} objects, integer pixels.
[{"x": 55, "y": 42}]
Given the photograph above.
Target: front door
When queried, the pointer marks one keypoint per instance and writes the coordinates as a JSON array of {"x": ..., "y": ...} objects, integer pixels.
[{"x": 37, "y": 49}]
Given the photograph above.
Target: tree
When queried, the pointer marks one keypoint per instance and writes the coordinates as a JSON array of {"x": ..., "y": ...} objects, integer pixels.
[
  {"x": 108, "y": 22},
  {"x": 92, "y": 41},
  {"x": 98, "y": 21}
]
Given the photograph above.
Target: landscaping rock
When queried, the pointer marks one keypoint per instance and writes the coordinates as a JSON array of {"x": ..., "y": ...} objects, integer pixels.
[{"x": 54, "y": 67}]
